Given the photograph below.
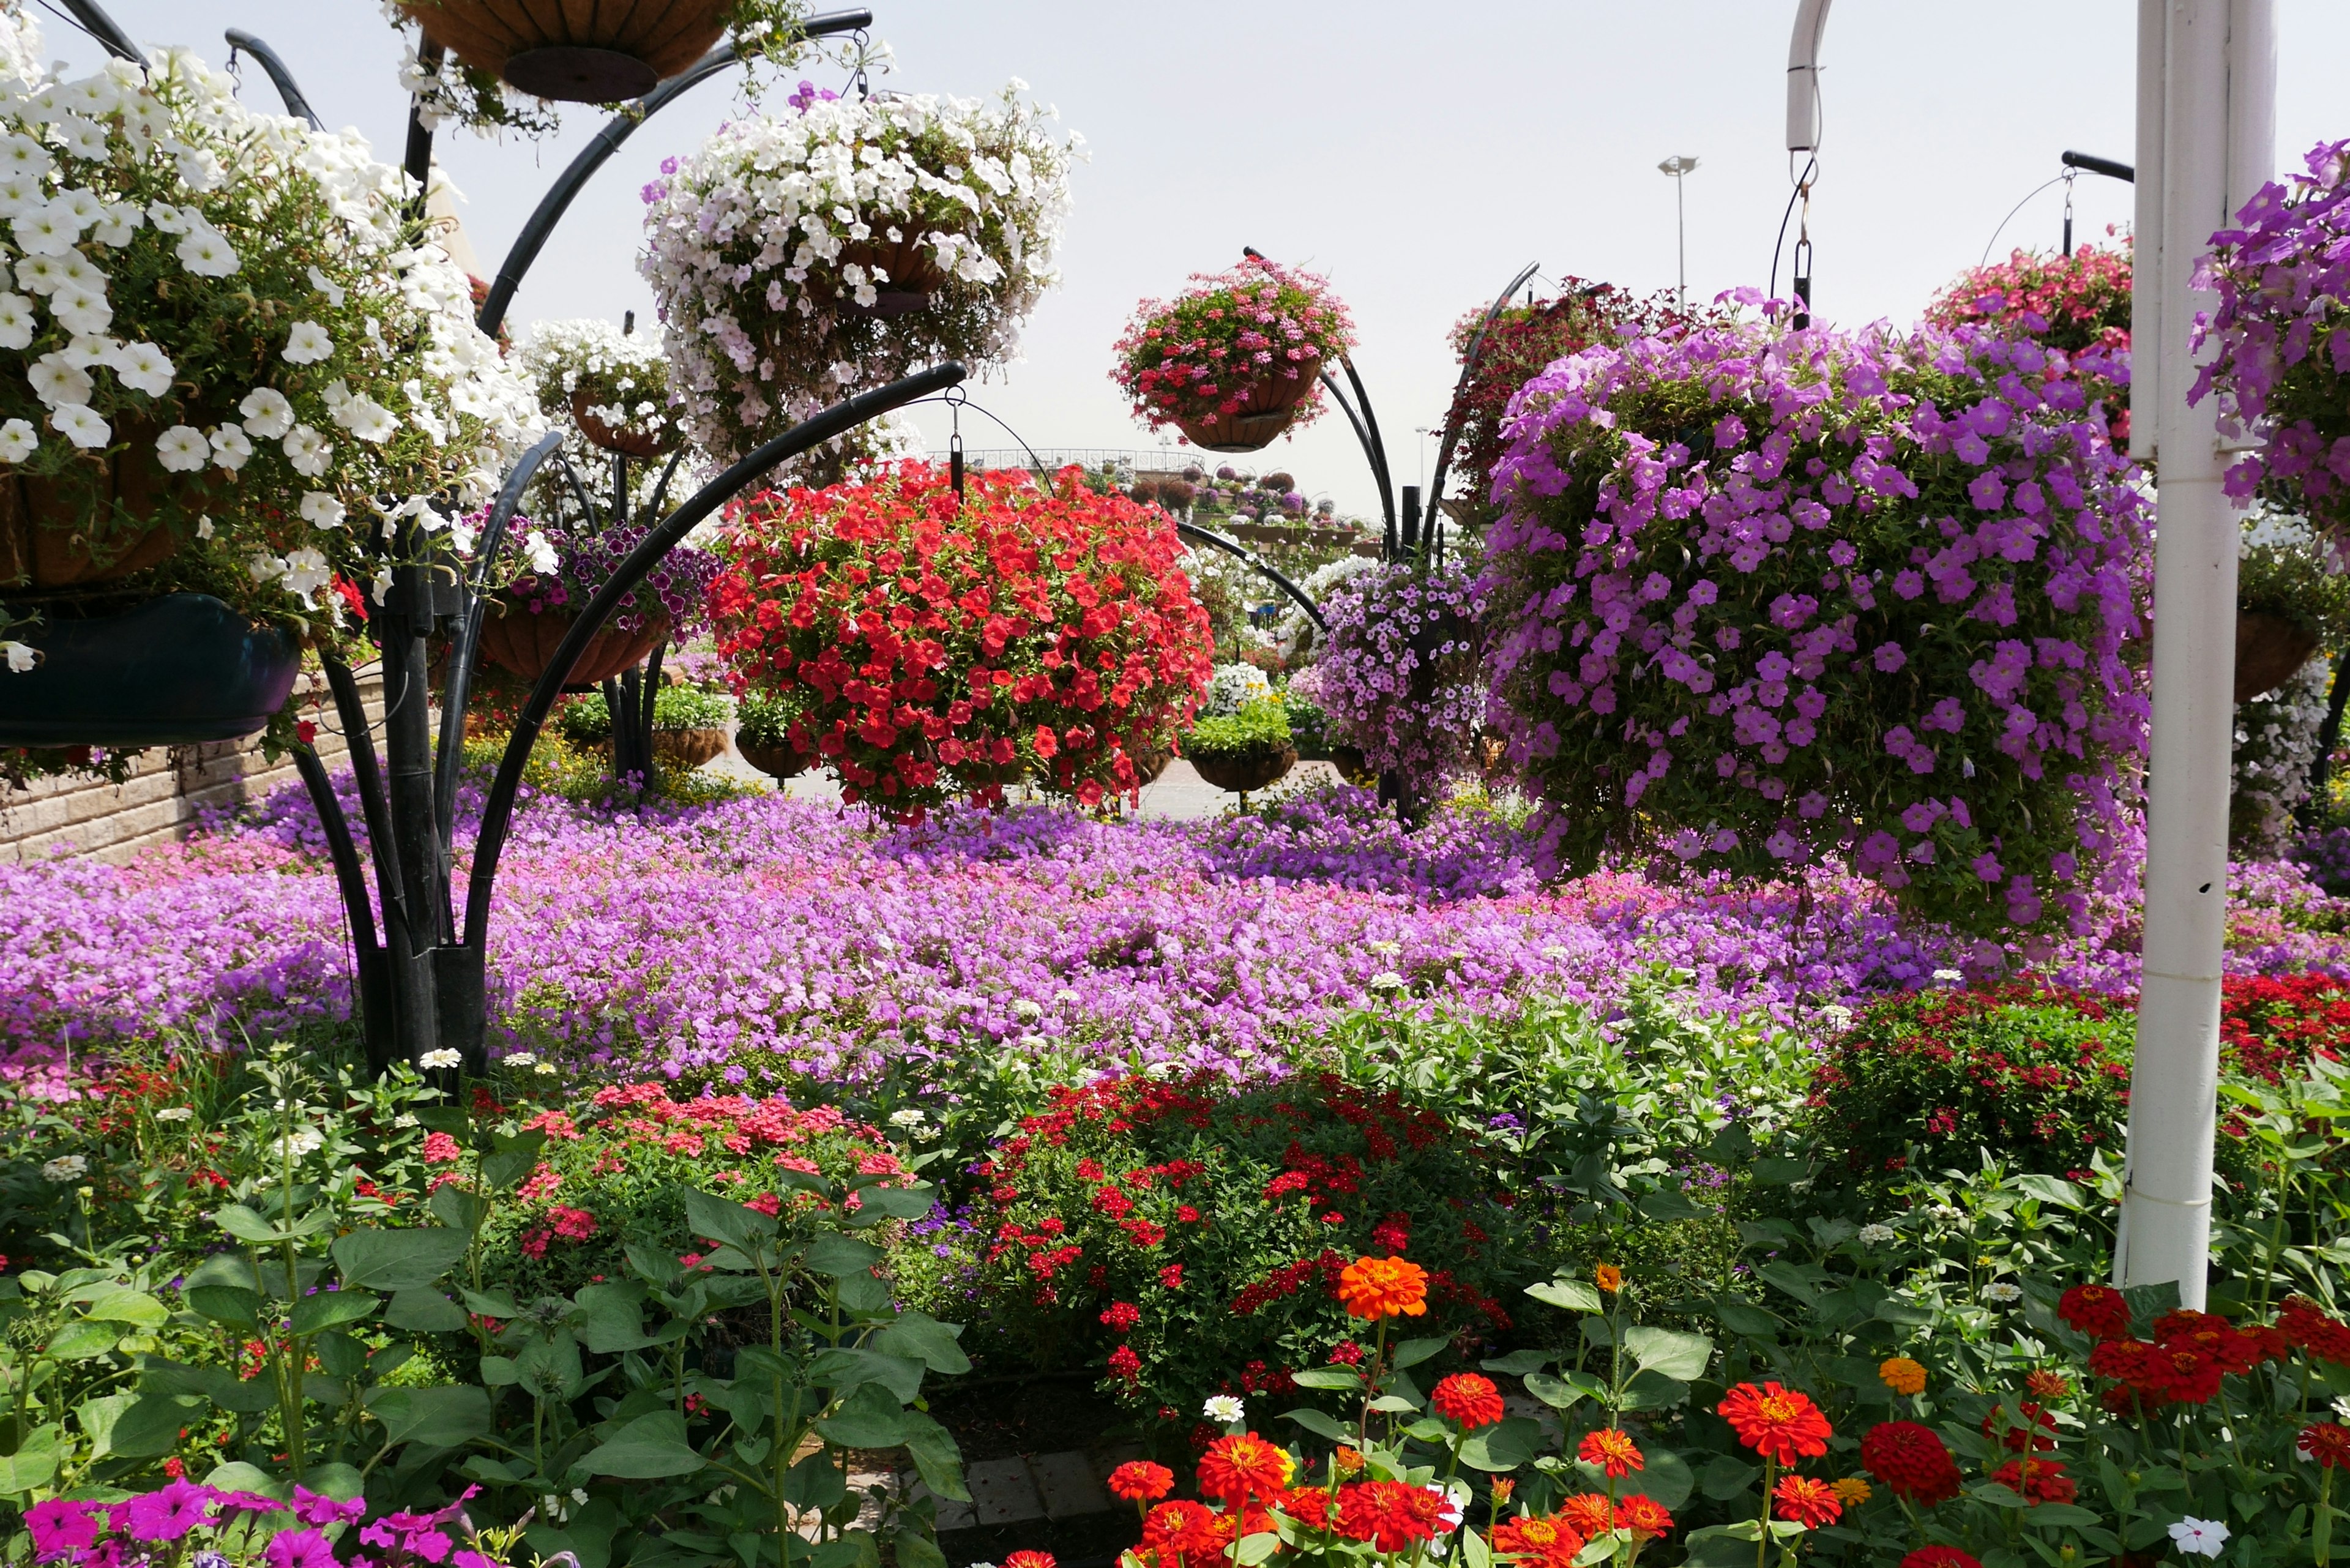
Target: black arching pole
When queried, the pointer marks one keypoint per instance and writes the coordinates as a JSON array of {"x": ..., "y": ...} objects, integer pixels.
[{"x": 240, "y": 41}]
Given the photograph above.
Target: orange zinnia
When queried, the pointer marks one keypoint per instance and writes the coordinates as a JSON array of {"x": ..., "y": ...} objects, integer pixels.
[
  {"x": 1902, "y": 1375},
  {"x": 1590, "y": 1513},
  {"x": 1375, "y": 1288},
  {"x": 1549, "y": 1542},
  {"x": 1779, "y": 1424},
  {"x": 1242, "y": 1466},
  {"x": 1140, "y": 1480},
  {"x": 1613, "y": 1450},
  {"x": 1610, "y": 1278}
]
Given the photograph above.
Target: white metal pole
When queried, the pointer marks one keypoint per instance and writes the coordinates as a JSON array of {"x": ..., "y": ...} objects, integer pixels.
[{"x": 2211, "y": 68}]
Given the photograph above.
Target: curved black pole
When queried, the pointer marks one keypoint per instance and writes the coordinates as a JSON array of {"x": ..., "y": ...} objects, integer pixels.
[
  {"x": 1234, "y": 548},
  {"x": 372, "y": 1004},
  {"x": 1468, "y": 369},
  {"x": 619, "y": 129},
  {"x": 2111, "y": 168},
  {"x": 239, "y": 39},
  {"x": 809, "y": 432},
  {"x": 101, "y": 26}
]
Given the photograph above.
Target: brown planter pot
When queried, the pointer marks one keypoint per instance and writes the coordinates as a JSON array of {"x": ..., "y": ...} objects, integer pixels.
[
  {"x": 1269, "y": 409},
  {"x": 914, "y": 277},
  {"x": 2269, "y": 649},
  {"x": 686, "y": 749},
  {"x": 976, "y": 775},
  {"x": 1352, "y": 766},
  {"x": 1149, "y": 765},
  {"x": 1245, "y": 773},
  {"x": 42, "y": 545},
  {"x": 524, "y": 643},
  {"x": 626, "y": 441},
  {"x": 775, "y": 761},
  {"x": 578, "y": 51}
]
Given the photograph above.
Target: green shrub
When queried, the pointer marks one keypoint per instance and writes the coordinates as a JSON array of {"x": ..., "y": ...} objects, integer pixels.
[
  {"x": 767, "y": 720},
  {"x": 1309, "y": 726},
  {"x": 1255, "y": 729},
  {"x": 1188, "y": 1236},
  {"x": 584, "y": 721}
]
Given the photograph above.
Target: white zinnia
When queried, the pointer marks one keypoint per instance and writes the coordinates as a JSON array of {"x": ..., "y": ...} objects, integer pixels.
[
  {"x": 64, "y": 1169},
  {"x": 1225, "y": 1409},
  {"x": 176, "y": 1114},
  {"x": 1878, "y": 1235},
  {"x": 182, "y": 449},
  {"x": 307, "y": 1140},
  {"x": 444, "y": 1058},
  {"x": 81, "y": 424}
]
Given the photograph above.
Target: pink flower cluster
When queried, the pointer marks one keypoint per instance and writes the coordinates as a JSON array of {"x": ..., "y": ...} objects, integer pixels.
[
  {"x": 1261, "y": 324},
  {"x": 1760, "y": 597},
  {"x": 1397, "y": 671}
]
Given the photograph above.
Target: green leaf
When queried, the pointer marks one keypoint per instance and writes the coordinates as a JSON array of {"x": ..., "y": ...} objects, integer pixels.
[
  {"x": 231, "y": 1305},
  {"x": 331, "y": 1309},
  {"x": 378, "y": 1260},
  {"x": 2050, "y": 1189},
  {"x": 1561, "y": 1393},
  {"x": 612, "y": 1318},
  {"x": 246, "y": 1226},
  {"x": 1258, "y": 1548},
  {"x": 81, "y": 1341},
  {"x": 134, "y": 1307},
  {"x": 1746, "y": 1318},
  {"x": 1412, "y": 1352},
  {"x": 1320, "y": 1425},
  {"x": 897, "y": 1202},
  {"x": 33, "y": 1463},
  {"x": 458, "y": 1208},
  {"x": 1727, "y": 1476},
  {"x": 870, "y": 1417},
  {"x": 499, "y": 1306},
  {"x": 2063, "y": 1515},
  {"x": 1779, "y": 1172},
  {"x": 647, "y": 1448},
  {"x": 1673, "y": 1353},
  {"x": 1667, "y": 1204},
  {"x": 1475, "y": 1551},
  {"x": 1518, "y": 1363},
  {"x": 448, "y": 1416},
  {"x": 926, "y": 1340},
  {"x": 1393, "y": 1404},
  {"x": 1668, "y": 1478},
  {"x": 1502, "y": 1446},
  {"x": 1327, "y": 1377},
  {"x": 424, "y": 1311},
  {"x": 1650, "y": 1389},
  {"x": 936, "y": 1459},
  {"x": 839, "y": 1255},
  {"x": 96, "y": 1417},
  {"x": 843, "y": 1369},
  {"x": 722, "y": 1219},
  {"x": 148, "y": 1427},
  {"x": 1567, "y": 1295},
  {"x": 224, "y": 1269},
  {"x": 515, "y": 1157},
  {"x": 1801, "y": 1281},
  {"x": 917, "y": 1551},
  {"x": 238, "y": 1476}
]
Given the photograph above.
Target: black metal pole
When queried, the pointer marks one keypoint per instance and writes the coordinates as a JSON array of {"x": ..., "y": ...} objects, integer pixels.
[
  {"x": 2110, "y": 168},
  {"x": 101, "y": 26},
  {"x": 490, "y": 845},
  {"x": 2329, "y": 735},
  {"x": 371, "y": 999},
  {"x": 296, "y": 104},
  {"x": 1468, "y": 363},
  {"x": 1241, "y": 552},
  {"x": 383, "y": 1029}
]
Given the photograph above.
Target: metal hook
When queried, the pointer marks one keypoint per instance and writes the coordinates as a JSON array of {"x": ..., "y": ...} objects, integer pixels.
[
  {"x": 2069, "y": 176},
  {"x": 863, "y": 39},
  {"x": 954, "y": 398},
  {"x": 1802, "y": 258}
]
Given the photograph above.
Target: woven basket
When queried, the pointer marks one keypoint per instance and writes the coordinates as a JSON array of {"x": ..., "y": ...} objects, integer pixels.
[
  {"x": 1352, "y": 766},
  {"x": 579, "y": 51},
  {"x": 524, "y": 644},
  {"x": 686, "y": 749},
  {"x": 1148, "y": 764},
  {"x": 42, "y": 545},
  {"x": 2269, "y": 649},
  {"x": 914, "y": 276},
  {"x": 1269, "y": 409},
  {"x": 622, "y": 439},
  {"x": 1248, "y": 770},
  {"x": 775, "y": 761}
]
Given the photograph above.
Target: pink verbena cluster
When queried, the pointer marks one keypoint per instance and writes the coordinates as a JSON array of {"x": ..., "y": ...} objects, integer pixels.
[
  {"x": 1397, "y": 671},
  {"x": 1759, "y": 597},
  {"x": 2282, "y": 276}
]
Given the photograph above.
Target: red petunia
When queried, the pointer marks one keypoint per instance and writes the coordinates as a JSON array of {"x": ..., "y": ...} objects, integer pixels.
[
  {"x": 1472, "y": 1400},
  {"x": 1779, "y": 1424},
  {"x": 1911, "y": 1462}
]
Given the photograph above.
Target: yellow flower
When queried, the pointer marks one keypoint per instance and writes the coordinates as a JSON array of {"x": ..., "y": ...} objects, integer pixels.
[
  {"x": 1903, "y": 1376},
  {"x": 1852, "y": 1491},
  {"x": 1610, "y": 1278}
]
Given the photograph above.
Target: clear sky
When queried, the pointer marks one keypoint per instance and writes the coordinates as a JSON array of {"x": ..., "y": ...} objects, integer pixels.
[{"x": 1417, "y": 154}]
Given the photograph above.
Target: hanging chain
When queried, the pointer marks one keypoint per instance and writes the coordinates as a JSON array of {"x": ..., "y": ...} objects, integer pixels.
[{"x": 2070, "y": 174}]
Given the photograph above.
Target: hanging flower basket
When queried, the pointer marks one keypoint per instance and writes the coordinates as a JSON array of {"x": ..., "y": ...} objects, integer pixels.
[
  {"x": 550, "y": 570},
  {"x": 1237, "y": 360},
  {"x": 686, "y": 749},
  {"x": 612, "y": 384},
  {"x": 101, "y": 521},
  {"x": 777, "y": 762},
  {"x": 2269, "y": 649},
  {"x": 523, "y": 642},
  {"x": 579, "y": 51},
  {"x": 176, "y": 670},
  {"x": 1244, "y": 772},
  {"x": 802, "y": 257}
]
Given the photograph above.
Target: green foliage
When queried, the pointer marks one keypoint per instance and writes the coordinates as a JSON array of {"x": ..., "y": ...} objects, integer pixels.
[
  {"x": 767, "y": 719},
  {"x": 2298, "y": 580},
  {"x": 585, "y": 722},
  {"x": 1308, "y": 724},
  {"x": 1257, "y": 730}
]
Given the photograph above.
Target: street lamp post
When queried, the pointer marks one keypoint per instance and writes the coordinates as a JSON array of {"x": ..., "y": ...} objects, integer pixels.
[{"x": 1678, "y": 165}]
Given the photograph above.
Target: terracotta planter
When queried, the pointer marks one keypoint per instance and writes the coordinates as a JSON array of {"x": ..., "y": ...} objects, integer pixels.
[
  {"x": 176, "y": 670},
  {"x": 622, "y": 439},
  {"x": 516, "y": 641},
  {"x": 1247, "y": 771},
  {"x": 1269, "y": 409},
  {"x": 913, "y": 275},
  {"x": 43, "y": 546},
  {"x": 686, "y": 749},
  {"x": 777, "y": 761},
  {"x": 577, "y": 51},
  {"x": 2269, "y": 649}
]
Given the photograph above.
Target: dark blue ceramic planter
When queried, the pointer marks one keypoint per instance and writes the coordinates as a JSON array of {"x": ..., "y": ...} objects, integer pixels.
[{"x": 175, "y": 670}]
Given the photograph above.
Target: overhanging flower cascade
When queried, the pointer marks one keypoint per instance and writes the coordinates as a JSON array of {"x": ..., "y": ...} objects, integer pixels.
[
  {"x": 808, "y": 255},
  {"x": 1398, "y": 671},
  {"x": 226, "y": 350},
  {"x": 922, "y": 644},
  {"x": 1762, "y": 597}
]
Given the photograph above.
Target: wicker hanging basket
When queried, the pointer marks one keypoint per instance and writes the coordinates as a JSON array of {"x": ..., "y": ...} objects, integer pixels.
[
  {"x": 1247, "y": 771},
  {"x": 524, "y": 644},
  {"x": 624, "y": 440},
  {"x": 575, "y": 51},
  {"x": 777, "y": 762},
  {"x": 1148, "y": 764},
  {"x": 1269, "y": 408},
  {"x": 44, "y": 544},
  {"x": 2269, "y": 649},
  {"x": 686, "y": 749}
]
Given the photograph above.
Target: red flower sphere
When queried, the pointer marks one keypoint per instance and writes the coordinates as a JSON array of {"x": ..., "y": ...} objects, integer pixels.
[
  {"x": 1911, "y": 1462},
  {"x": 1468, "y": 1398}
]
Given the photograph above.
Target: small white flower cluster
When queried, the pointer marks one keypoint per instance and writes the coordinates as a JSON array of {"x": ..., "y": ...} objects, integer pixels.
[
  {"x": 763, "y": 251},
  {"x": 148, "y": 280},
  {"x": 1232, "y": 688},
  {"x": 64, "y": 1169},
  {"x": 624, "y": 375},
  {"x": 2276, "y": 740}
]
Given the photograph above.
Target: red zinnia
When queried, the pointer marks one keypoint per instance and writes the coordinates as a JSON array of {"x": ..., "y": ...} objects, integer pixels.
[
  {"x": 1940, "y": 1557},
  {"x": 1643, "y": 1516},
  {"x": 1551, "y": 1543},
  {"x": 1590, "y": 1512},
  {"x": 2098, "y": 1311},
  {"x": 1140, "y": 1480},
  {"x": 1242, "y": 1466},
  {"x": 2327, "y": 1443},
  {"x": 2016, "y": 1436},
  {"x": 1029, "y": 1559},
  {"x": 1177, "y": 1531},
  {"x": 1911, "y": 1462},
  {"x": 1468, "y": 1398},
  {"x": 1810, "y": 1503},
  {"x": 1612, "y": 1450},
  {"x": 1778, "y": 1423},
  {"x": 1307, "y": 1505},
  {"x": 2040, "y": 1481},
  {"x": 1383, "y": 1513}
]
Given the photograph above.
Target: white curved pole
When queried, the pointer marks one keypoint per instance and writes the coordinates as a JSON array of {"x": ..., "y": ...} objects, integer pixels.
[{"x": 1803, "y": 76}]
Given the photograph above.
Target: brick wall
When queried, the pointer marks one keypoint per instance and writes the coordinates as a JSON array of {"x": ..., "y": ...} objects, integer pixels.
[{"x": 165, "y": 790}]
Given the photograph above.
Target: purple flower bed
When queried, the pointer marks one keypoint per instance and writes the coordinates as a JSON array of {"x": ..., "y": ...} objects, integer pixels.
[{"x": 764, "y": 934}]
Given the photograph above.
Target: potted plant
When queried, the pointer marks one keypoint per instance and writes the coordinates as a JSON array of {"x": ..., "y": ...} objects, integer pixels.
[
  {"x": 550, "y": 570},
  {"x": 579, "y": 51},
  {"x": 1237, "y": 359},
  {"x": 800, "y": 257},
  {"x": 688, "y": 724},
  {"x": 926, "y": 646},
  {"x": 1242, "y": 751},
  {"x": 612, "y": 384},
  {"x": 230, "y": 362},
  {"x": 764, "y": 736},
  {"x": 1397, "y": 673}
]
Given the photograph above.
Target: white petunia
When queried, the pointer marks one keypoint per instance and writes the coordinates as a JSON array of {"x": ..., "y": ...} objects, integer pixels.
[
  {"x": 200, "y": 168},
  {"x": 1225, "y": 1409},
  {"x": 203, "y": 527},
  {"x": 83, "y": 138},
  {"x": 328, "y": 287},
  {"x": 144, "y": 367},
  {"x": 45, "y": 230},
  {"x": 445, "y": 1058},
  {"x": 64, "y": 1169},
  {"x": 207, "y": 253},
  {"x": 81, "y": 312},
  {"x": 231, "y": 447},
  {"x": 541, "y": 552},
  {"x": 368, "y": 419},
  {"x": 308, "y": 450},
  {"x": 182, "y": 449},
  {"x": 306, "y": 572},
  {"x": 20, "y": 194},
  {"x": 321, "y": 510},
  {"x": 267, "y": 413},
  {"x": 168, "y": 219},
  {"x": 17, "y": 321},
  {"x": 40, "y": 274},
  {"x": 18, "y": 440},
  {"x": 176, "y": 1114},
  {"x": 307, "y": 343},
  {"x": 20, "y": 657},
  {"x": 56, "y": 382},
  {"x": 264, "y": 567},
  {"x": 88, "y": 351},
  {"x": 20, "y": 154},
  {"x": 96, "y": 96},
  {"x": 123, "y": 220}
]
